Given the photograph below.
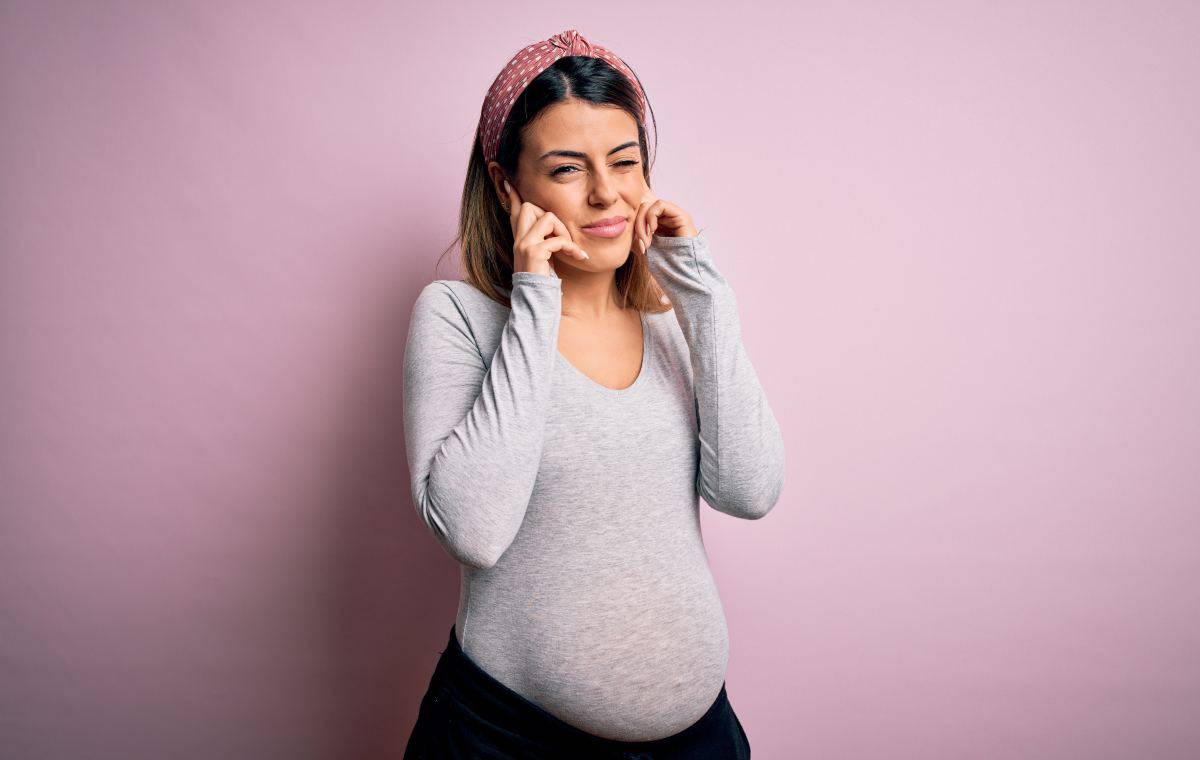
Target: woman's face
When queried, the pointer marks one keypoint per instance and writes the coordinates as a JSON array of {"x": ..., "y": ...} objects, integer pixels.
[{"x": 583, "y": 163}]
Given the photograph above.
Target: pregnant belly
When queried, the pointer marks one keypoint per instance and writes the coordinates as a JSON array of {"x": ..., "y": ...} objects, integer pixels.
[{"x": 630, "y": 653}]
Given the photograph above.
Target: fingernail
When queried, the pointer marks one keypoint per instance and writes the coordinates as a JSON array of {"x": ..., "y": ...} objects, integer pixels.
[{"x": 507, "y": 187}]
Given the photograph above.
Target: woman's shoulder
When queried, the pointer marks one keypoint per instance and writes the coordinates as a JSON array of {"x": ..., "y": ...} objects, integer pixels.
[
  {"x": 457, "y": 293},
  {"x": 460, "y": 306}
]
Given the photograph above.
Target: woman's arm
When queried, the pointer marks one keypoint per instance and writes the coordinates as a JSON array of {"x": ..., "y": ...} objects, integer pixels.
[
  {"x": 741, "y": 449},
  {"x": 474, "y": 433}
]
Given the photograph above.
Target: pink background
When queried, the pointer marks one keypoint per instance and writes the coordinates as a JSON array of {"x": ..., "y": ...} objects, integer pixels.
[{"x": 963, "y": 240}]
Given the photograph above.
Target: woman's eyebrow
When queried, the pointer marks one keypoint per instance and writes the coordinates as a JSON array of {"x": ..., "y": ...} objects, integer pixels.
[{"x": 577, "y": 154}]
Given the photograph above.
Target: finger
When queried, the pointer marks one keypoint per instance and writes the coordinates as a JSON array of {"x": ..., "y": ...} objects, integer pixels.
[
  {"x": 514, "y": 204},
  {"x": 648, "y": 224},
  {"x": 561, "y": 232},
  {"x": 635, "y": 239},
  {"x": 525, "y": 217},
  {"x": 655, "y": 216},
  {"x": 514, "y": 198},
  {"x": 521, "y": 214},
  {"x": 550, "y": 227},
  {"x": 659, "y": 208},
  {"x": 518, "y": 216},
  {"x": 556, "y": 225},
  {"x": 650, "y": 200},
  {"x": 544, "y": 226},
  {"x": 556, "y": 244},
  {"x": 639, "y": 226}
]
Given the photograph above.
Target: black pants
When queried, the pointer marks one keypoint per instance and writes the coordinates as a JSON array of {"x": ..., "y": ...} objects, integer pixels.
[{"x": 466, "y": 713}]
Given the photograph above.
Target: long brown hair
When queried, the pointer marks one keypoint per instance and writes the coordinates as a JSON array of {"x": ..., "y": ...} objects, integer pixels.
[{"x": 484, "y": 229}]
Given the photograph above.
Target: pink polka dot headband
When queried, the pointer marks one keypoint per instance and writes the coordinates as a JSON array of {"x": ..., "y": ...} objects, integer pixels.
[{"x": 527, "y": 64}]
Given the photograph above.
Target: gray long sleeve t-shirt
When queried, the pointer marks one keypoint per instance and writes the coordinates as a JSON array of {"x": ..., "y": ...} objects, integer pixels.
[{"x": 573, "y": 507}]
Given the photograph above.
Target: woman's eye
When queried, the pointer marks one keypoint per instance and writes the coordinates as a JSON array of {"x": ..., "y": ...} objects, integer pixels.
[{"x": 563, "y": 169}]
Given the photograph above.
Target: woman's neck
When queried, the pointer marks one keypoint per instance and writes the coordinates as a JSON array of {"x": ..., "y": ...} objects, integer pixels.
[{"x": 589, "y": 295}]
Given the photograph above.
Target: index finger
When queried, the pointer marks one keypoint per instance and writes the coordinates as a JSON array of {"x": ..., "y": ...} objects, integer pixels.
[
  {"x": 514, "y": 201},
  {"x": 649, "y": 199},
  {"x": 640, "y": 226}
]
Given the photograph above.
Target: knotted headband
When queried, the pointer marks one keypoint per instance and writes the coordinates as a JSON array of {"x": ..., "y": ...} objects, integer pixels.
[{"x": 527, "y": 64}]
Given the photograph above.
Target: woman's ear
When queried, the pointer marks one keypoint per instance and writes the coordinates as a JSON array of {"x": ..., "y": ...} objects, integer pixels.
[{"x": 497, "y": 176}]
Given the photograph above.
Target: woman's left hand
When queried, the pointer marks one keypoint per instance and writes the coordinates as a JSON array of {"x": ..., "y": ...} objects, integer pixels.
[{"x": 658, "y": 217}]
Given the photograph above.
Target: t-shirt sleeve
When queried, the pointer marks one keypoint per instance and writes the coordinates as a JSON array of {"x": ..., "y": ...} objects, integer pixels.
[
  {"x": 742, "y": 460},
  {"x": 474, "y": 432}
]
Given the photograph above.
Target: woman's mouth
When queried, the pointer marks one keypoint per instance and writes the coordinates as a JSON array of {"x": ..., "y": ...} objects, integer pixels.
[{"x": 607, "y": 228}]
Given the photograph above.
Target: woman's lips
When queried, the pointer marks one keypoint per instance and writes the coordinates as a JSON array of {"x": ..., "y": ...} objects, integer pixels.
[{"x": 607, "y": 230}]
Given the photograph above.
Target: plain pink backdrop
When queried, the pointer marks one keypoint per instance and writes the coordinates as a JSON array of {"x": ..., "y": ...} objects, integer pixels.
[{"x": 963, "y": 241}]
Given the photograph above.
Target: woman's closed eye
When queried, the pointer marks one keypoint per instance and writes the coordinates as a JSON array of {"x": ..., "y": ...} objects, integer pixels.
[{"x": 562, "y": 169}]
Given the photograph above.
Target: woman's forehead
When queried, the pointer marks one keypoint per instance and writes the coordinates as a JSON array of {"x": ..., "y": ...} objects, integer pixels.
[{"x": 580, "y": 126}]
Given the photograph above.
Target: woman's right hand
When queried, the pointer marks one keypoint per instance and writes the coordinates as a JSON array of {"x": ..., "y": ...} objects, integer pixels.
[{"x": 537, "y": 235}]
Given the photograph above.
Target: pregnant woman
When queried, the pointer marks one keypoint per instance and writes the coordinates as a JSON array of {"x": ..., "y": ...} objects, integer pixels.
[{"x": 566, "y": 407}]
